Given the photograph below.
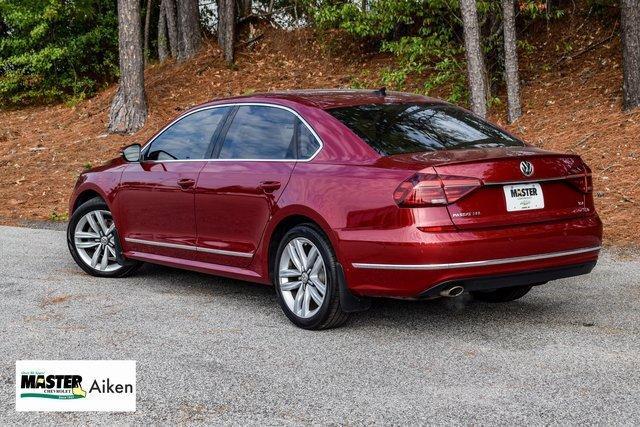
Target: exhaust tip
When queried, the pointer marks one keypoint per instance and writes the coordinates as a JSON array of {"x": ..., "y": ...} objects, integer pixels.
[{"x": 452, "y": 292}]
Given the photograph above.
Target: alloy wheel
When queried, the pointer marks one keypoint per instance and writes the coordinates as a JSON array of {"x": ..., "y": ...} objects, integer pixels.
[
  {"x": 302, "y": 277},
  {"x": 95, "y": 241}
]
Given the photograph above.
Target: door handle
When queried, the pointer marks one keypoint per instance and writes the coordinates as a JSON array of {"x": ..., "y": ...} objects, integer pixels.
[
  {"x": 186, "y": 183},
  {"x": 269, "y": 186}
]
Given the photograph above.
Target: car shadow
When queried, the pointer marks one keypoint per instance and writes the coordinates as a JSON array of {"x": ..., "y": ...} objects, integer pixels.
[
  {"x": 180, "y": 281},
  {"x": 461, "y": 313}
]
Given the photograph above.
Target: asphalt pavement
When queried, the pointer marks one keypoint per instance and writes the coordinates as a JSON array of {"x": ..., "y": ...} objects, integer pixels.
[{"x": 217, "y": 351}]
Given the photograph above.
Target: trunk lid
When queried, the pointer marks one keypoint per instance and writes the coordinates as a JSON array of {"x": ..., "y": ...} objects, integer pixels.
[{"x": 516, "y": 185}]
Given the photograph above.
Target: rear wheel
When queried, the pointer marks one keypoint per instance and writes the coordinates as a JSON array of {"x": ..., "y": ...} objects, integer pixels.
[
  {"x": 93, "y": 241},
  {"x": 501, "y": 295},
  {"x": 306, "y": 280}
]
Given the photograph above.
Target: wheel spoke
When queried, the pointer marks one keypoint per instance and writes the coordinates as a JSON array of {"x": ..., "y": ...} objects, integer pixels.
[
  {"x": 111, "y": 251},
  {"x": 311, "y": 258},
  {"x": 111, "y": 228},
  {"x": 105, "y": 259},
  {"x": 85, "y": 245},
  {"x": 101, "y": 222},
  {"x": 315, "y": 295},
  {"x": 321, "y": 287},
  {"x": 302, "y": 256},
  {"x": 86, "y": 235},
  {"x": 316, "y": 266},
  {"x": 290, "y": 286},
  {"x": 289, "y": 273},
  {"x": 297, "y": 303},
  {"x": 92, "y": 223},
  {"x": 96, "y": 255},
  {"x": 294, "y": 256},
  {"x": 306, "y": 301}
]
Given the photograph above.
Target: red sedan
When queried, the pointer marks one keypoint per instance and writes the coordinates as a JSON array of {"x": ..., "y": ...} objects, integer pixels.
[{"x": 337, "y": 196}]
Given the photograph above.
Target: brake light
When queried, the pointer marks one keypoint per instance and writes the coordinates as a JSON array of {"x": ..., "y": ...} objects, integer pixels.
[
  {"x": 583, "y": 181},
  {"x": 429, "y": 189}
]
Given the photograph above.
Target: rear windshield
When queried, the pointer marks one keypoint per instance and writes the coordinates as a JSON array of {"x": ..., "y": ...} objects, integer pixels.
[{"x": 409, "y": 128}]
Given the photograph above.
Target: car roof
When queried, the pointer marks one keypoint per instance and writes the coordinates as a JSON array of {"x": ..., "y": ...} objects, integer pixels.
[{"x": 335, "y": 98}]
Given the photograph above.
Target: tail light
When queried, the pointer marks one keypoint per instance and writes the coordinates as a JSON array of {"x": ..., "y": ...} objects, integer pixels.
[
  {"x": 430, "y": 189},
  {"x": 583, "y": 181}
]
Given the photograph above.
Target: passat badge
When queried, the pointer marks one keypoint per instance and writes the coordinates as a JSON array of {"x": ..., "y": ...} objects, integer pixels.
[{"x": 526, "y": 168}]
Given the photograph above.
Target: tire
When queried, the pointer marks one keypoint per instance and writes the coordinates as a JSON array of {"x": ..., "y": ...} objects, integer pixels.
[
  {"x": 92, "y": 219},
  {"x": 501, "y": 295},
  {"x": 300, "y": 304}
]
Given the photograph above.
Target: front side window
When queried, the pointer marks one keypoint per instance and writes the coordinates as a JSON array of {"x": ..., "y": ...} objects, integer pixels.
[
  {"x": 407, "y": 128},
  {"x": 189, "y": 138},
  {"x": 262, "y": 133}
]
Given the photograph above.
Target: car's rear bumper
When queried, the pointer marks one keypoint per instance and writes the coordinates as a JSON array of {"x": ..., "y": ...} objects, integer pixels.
[
  {"x": 534, "y": 277},
  {"x": 410, "y": 263}
]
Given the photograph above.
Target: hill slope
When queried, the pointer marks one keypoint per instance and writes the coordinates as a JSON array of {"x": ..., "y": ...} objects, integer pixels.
[{"x": 572, "y": 102}]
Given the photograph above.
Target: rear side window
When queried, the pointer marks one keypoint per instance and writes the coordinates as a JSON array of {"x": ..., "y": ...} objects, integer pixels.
[
  {"x": 408, "y": 128},
  {"x": 260, "y": 133},
  {"x": 307, "y": 142},
  {"x": 188, "y": 138}
]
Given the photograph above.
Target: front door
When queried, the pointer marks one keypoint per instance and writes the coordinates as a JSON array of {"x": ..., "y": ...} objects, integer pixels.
[
  {"x": 155, "y": 198},
  {"x": 238, "y": 189}
]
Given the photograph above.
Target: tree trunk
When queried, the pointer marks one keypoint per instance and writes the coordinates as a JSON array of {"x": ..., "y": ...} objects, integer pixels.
[
  {"x": 227, "y": 28},
  {"x": 189, "y": 37},
  {"x": 511, "y": 61},
  {"x": 147, "y": 25},
  {"x": 169, "y": 8},
  {"x": 364, "y": 5},
  {"x": 630, "y": 18},
  {"x": 245, "y": 8},
  {"x": 163, "y": 40},
  {"x": 129, "y": 107},
  {"x": 222, "y": 24},
  {"x": 475, "y": 59}
]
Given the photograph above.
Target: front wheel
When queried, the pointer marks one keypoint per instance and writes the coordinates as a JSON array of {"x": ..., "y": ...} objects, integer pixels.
[
  {"x": 93, "y": 241},
  {"x": 306, "y": 279}
]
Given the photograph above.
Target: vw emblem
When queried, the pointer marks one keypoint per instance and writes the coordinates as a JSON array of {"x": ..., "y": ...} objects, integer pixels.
[{"x": 526, "y": 168}]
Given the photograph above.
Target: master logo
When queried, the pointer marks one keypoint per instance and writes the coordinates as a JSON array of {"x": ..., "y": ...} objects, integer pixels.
[
  {"x": 66, "y": 386},
  {"x": 75, "y": 385}
]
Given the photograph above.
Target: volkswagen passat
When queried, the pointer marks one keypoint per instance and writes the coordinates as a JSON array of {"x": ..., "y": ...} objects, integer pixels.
[{"x": 337, "y": 196}]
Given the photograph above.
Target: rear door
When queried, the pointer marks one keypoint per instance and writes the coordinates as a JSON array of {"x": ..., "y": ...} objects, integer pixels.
[
  {"x": 238, "y": 189},
  {"x": 155, "y": 198}
]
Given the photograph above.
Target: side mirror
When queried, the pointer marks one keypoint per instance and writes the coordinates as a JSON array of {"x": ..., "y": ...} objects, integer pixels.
[{"x": 132, "y": 153}]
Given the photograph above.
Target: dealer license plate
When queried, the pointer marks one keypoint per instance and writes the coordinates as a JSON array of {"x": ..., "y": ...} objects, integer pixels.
[{"x": 523, "y": 197}]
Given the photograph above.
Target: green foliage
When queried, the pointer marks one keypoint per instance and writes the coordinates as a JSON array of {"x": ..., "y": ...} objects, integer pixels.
[
  {"x": 384, "y": 17},
  {"x": 426, "y": 37},
  {"x": 433, "y": 55},
  {"x": 58, "y": 217},
  {"x": 534, "y": 9},
  {"x": 525, "y": 46},
  {"x": 421, "y": 34},
  {"x": 54, "y": 50}
]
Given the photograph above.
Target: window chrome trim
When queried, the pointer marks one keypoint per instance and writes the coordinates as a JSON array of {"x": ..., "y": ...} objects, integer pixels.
[
  {"x": 189, "y": 247},
  {"x": 234, "y": 104},
  {"x": 468, "y": 264}
]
